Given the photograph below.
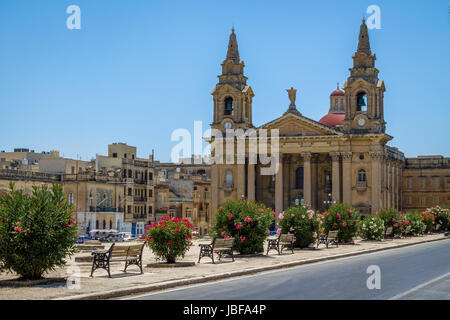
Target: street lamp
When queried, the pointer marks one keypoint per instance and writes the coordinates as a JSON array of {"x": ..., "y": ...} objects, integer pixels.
[
  {"x": 299, "y": 199},
  {"x": 328, "y": 201}
]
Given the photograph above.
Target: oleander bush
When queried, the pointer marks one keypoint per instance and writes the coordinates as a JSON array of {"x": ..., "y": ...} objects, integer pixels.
[
  {"x": 442, "y": 216},
  {"x": 415, "y": 222},
  {"x": 393, "y": 218},
  {"x": 372, "y": 228},
  {"x": 428, "y": 219},
  {"x": 37, "y": 232},
  {"x": 248, "y": 222},
  {"x": 303, "y": 222},
  {"x": 169, "y": 238},
  {"x": 343, "y": 218}
]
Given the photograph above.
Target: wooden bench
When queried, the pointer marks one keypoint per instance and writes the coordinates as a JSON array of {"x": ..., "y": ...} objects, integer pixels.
[
  {"x": 407, "y": 231},
  {"x": 281, "y": 242},
  {"x": 331, "y": 237},
  {"x": 219, "y": 245},
  {"x": 437, "y": 228},
  {"x": 130, "y": 254},
  {"x": 389, "y": 233},
  {"x": 424, "y": 229}
]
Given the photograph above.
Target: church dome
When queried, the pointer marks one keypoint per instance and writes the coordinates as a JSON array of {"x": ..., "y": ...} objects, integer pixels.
[
  {"x": 337, "y": 92},
  {"x": 332, "y": 119}
]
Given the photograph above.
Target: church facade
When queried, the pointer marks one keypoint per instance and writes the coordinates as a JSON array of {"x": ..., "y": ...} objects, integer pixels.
[{"x": 342, "y": 157}]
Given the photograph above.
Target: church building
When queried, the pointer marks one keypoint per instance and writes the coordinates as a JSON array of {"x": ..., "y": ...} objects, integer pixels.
[{"x": 342, "y": 157}]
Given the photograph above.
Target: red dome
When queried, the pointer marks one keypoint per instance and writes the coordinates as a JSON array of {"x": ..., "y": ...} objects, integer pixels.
[
  {"x": 332, "y": 119},
  {"x": 337, "y": 92}
]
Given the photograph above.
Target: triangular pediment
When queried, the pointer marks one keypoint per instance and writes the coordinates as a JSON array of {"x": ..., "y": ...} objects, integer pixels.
[{"x": 296, "y": 125}]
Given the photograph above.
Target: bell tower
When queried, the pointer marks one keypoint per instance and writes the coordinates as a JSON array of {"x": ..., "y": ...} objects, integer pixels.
[
  {"x": 364, "y": 92},
  {"x": 232, "y": 96}
]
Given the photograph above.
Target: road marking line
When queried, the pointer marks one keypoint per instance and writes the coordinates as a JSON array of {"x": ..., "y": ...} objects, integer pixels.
[{"x": 401, "y": 295}]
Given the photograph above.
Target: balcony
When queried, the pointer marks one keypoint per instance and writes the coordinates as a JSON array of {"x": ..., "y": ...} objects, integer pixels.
[
  {"x": 139, "y": 216},
  {"x": 105, "y": 209},
  {"x": 228, "y": 186},
  {"x": 361, "y": 185},
  {"x": 139, "y": 199},
  {"x": 140, "y": 181}
]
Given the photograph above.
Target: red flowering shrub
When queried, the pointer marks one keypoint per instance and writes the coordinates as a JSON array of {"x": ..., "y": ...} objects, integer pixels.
[
  {"x": 393, "y": 218},
  {"x": 170, "y": 238},
  {"x": 248, "y": 222},
  {"x": 428, "y": 219},
  {"x": 344, "y": 218},
  {"x": 37, "y": 232},
  {"x": 303, "y": 222}
]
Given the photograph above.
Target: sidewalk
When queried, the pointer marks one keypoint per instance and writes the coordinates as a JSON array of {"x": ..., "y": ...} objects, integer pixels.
[{"x": 159, "y": 278}]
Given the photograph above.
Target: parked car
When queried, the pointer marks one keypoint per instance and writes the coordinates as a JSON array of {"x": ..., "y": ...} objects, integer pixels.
[
  {"x": 143, "y": 237},
  {"x": 125, "y": 236},
  {"x": 82, "y": 239},
  {"x": 195, "y": 233}
]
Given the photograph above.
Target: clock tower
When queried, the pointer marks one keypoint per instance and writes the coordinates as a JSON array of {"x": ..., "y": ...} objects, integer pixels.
[
  {"x": 364, "y": 91},
  {"x": 232, "y": 96}
]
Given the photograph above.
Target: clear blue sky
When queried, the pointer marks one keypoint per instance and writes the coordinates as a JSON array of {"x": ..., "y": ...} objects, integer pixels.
[{"x": 139, "y": 69}]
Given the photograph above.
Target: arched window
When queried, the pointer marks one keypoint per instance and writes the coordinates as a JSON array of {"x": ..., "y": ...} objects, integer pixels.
[
  {"x": 104, "y": 224},
  {"x": 96, "y": 224},
  {"x": 229, "y": 177},
  {"x": 228, "y": 106},
  {"x": 361, "y": 102},
  {"x": 110, "y": 224},
  {"x": 362, "y": 175},
  {"x": 299, "y": 178}
]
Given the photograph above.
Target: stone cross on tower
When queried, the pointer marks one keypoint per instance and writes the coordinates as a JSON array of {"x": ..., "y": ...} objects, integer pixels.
[{"x": 292, "y": 96}]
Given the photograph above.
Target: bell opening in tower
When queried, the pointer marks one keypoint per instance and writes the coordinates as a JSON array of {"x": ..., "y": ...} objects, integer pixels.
[{"x": 361, "y": 102}]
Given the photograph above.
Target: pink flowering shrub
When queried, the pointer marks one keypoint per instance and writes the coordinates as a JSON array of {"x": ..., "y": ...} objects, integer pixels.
[
  {"x": 343, "y": 218},
  {"x": 442, "y": 216},
  {"x": 247, "y": 222},
  {"x": 301, "y": 221},
  {"x": 169, "y": 238},
  {"x": 37, "y": 232},
  {"x": 395, "y": 219}
]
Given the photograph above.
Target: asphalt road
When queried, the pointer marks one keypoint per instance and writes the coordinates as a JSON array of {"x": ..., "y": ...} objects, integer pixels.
[{"x": 416, "y": 272}]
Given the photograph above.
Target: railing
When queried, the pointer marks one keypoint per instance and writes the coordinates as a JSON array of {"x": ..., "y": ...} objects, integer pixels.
[
  {"x": 105, "y": 209},
  {"x": 29, "y": 175},
  {"x": 140, "y": 181},
  {"x": 139, "y": 199},
  {"x": 361, "y": 185},
  {"x": 140, "y": 216}
]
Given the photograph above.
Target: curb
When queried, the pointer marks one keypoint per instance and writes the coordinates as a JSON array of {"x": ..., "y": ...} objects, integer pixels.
[{"x": 221, "y": 276}]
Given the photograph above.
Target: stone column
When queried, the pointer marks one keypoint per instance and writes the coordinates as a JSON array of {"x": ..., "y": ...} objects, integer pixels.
[
  {"x": 388, "y": 183},
  {"x": 279, "y": 187},
  {"x": 377, "y": 172},
  {"x": 214, "y": 192},
  {"x": 240, "y": 181},
  {"x": 394, "y": 186},
  {"x": 335, "y": 176},
  {"x": 251, "y": 182},
  {"x": 307, "y": 177},
  {"x": 347, "y": 180}
]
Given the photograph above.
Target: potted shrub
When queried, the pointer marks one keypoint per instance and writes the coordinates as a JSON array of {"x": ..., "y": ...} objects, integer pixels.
[
  {"x": 37, "y": 232},
  {"x": 372, "y": 228},
  {"x": 301, "y": 221},
  {"x": 248, "y": 222},
  {"x": 169, "y": 238},
  {"x": 343, "y": 218}
]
